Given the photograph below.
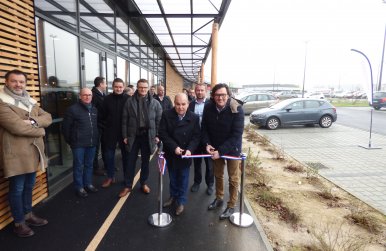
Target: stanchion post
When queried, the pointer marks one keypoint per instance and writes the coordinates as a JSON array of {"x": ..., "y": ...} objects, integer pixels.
[
  {"x": 242, "y": 219},
  {"x": 160, "y": 219}
]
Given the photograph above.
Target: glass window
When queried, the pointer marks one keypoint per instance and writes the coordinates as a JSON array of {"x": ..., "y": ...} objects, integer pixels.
[
  {"x": 59, "y": 83},
  {"x": 262, "y": 97},
  {"x": 122, "y": 36},
  {"x": 144, "y": 73},
  {"x": 110, "y": 74},
  {"x": 92, "y": 66},
  {"x": 134, "y": 74},
  {"x": 311, "y": 104},
  {"x": 296, "y": 105},
  {"x": 122, "y": 71}
]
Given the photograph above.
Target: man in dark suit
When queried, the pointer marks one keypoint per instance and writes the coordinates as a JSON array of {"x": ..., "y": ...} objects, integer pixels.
[
  {"x": 98, "y": 94},
  {"x": 180, "y": 133},
  {"x": 164, "y": 100},
  {"x": 197, "y": 106}
]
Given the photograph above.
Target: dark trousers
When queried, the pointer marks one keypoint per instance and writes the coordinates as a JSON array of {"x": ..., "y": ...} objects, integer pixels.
[
  {"x": 179, "y": 181},
  {"x": 100, "y": 148},
  {"x": 209, "y": 176},
  {"x": 141, "y": 142}
]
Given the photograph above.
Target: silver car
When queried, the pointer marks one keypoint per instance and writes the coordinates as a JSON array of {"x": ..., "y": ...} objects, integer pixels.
[
  {"x": 296, "y": 111},
  {"x": 254, "y": 101}
]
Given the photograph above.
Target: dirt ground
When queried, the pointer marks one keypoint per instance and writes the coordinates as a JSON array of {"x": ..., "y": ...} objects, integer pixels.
[{"x": 300, "y": 210}]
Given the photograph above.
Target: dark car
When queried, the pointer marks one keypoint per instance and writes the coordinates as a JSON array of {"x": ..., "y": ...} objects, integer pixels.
[
  {"x": 379, "y": 100},
  {"x": 296, "y": 111}
]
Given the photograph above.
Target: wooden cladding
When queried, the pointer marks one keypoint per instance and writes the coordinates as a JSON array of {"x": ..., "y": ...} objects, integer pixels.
[{"x": 18, "y": 51}]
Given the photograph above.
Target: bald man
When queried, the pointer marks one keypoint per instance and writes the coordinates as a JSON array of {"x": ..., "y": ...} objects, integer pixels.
[
  {"x": 80, "y": 131},
  {"x": 164, "y": 100},
  {"x": 180, "y": 133}
]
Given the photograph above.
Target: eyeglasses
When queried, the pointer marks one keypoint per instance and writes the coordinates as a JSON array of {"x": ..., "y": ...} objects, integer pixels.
[
  {"x": 86, "y": 95},
  {"x": 220, "y": 95},
  {"x": 142, "y": 87}
]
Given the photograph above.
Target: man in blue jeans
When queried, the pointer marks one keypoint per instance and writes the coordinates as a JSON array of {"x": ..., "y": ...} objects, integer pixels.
[
  {"x": 22, "y": 125},
  {"x": 80, "y": 131}
]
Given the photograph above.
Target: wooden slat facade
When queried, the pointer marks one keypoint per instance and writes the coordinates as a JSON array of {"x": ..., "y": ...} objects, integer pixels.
[{"x": 18, "y": 51}]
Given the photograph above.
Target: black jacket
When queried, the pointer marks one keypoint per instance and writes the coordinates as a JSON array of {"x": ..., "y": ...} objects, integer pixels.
[
  {"x": 111, "y": 118},
  {"x": 174, "y": 133},
  {"x": 223, "y": 130},
  {"x": 166, "y": 103},
  {"x": 80, "y": 126}
]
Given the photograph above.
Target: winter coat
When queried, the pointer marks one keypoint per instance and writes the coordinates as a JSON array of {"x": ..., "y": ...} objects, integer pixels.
[
  {"x": 80, "y": 126},
  {"x": 111, "y": 116},
  {"x": 21, "y": 144},
  {"x": 223, "y": 130},
  {"x": 174, "y": 133},
  {"x": 129, "y": 120},
  {"x": 166, "y": 103}
]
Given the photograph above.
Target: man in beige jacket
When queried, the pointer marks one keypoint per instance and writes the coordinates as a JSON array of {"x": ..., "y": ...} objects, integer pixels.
[{"x": 22, "y": 124}]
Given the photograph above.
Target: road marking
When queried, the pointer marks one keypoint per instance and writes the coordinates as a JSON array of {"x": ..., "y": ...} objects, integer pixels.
[{"x": 109, "y": 220}]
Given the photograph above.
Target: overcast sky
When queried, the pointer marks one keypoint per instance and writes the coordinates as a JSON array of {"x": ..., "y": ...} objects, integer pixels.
[{"x": 265, "y": 42}]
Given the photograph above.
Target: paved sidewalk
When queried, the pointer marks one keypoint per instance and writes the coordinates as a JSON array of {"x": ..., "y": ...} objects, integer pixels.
[{"x": 336, "y": 153}]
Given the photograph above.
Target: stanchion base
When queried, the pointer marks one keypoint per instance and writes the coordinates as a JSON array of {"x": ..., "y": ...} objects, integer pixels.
[
  {"x": 244, "y": 221},
  {"x": 160, "y": 220},
  {"x": 369, "y": 147}
]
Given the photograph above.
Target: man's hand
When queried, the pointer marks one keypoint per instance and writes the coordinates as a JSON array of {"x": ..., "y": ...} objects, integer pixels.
[
  {"x": 215, "y": 155},
  {"x": 125, "y": 141},
  {"x": 178, "y": 151},
  {"x": 210, "y": 149},
  {"x": 187, "y": 153}
]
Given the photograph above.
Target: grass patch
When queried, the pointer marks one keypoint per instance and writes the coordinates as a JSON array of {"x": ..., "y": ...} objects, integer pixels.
[
  {"x": 365, "y": 221},
  {"x": 341, "y": 102},
  {"x": 295, "y": 168}
]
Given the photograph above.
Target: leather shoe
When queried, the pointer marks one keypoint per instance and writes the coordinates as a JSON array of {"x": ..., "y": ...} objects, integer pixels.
[
  {"x": 22, "y": 230},
  {"x": 227, "y": 213},
  {"x": 91, "y": 189},
  {"x": 32, "y": 220},
  {"x": 169, "y": 202},
  {"x": 215, "y": 204},
  {"x": 195, "y": 187},
  {"x": 82, "y": 193},
  {"x": 179, "y": 210},
  {"x": 209, "y": 190},
  {"x": 108, "y": 182},
  {"x": 145, "y": 188},
  {"x": 125, "y": 191}
]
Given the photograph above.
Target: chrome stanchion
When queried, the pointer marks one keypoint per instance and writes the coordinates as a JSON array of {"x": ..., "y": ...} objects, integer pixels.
[
  {"x": 242, "y": 219},
  {"x": 160, "y": 219}
]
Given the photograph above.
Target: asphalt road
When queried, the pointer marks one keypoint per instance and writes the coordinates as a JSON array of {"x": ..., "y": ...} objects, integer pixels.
[{"x": 359, "y": 117}]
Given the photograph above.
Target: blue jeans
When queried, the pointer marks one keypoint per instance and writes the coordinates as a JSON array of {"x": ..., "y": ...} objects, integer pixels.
[
  {"x": 109, "y": 158},
  {"x": 83, "y": 158},
  {"x": 20, "y": 195},
  {"x": 140, "y": 143},
  {"x": 179, "y": 181}
]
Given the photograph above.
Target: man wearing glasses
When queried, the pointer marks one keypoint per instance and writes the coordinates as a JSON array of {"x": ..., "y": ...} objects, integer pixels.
[
  {"x": 140, "y": 120},
  {"x": 80, "y": 131},
  {"x": 222, "y": 129}
]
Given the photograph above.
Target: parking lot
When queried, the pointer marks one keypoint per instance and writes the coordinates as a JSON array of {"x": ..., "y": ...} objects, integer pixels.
[{"x": 337, "y": 154}]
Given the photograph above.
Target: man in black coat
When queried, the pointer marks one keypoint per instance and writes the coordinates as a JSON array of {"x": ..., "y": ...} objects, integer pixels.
[
  {"x": 81, "y": 133},
  {"x": 111, "y": 118},
  {"x": 98, "y": 94},
  {"x": 180, "y": 133},
  {"x": 197, "y": 106},
  {"x": 164, "y": 100},
  {"x": 222, "y": 131}
]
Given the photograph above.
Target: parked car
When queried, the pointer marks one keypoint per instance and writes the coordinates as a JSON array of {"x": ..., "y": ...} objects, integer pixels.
[
  {"x": 254, "y": 101},
  {"x": 296, "y": 111},
  {"x": 379, "y": 100},
  {"x": 317, "y": 95},
  {"x": 289, "y": 94}
]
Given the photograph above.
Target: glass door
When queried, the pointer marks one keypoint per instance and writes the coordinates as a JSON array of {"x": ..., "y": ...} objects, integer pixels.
[
  {"x": 110, "y": 72},
  {"x": 91, "y": 65}
]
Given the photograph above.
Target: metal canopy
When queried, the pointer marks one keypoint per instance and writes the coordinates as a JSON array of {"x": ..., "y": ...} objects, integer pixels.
[
  {"x": 182, "y": 28},
  {"x": 178, "y": 31}
]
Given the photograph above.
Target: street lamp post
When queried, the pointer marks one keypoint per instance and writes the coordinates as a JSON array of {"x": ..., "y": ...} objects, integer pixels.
[
  {"x": 371, "y": 100},
  {"x": 53, "y": 44},
  {"x": 383, "y": 55},
  {"x": 305, "y": 66}
]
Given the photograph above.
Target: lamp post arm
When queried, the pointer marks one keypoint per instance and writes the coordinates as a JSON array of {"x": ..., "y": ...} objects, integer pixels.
[{"x": 371, "y": 71}]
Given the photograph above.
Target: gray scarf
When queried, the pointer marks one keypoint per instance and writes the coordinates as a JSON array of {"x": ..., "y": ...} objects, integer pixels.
[{"x": 24, "y": 98}]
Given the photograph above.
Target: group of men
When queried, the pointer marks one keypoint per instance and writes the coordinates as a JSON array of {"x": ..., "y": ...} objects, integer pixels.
[{"x": 133, "y": 123}]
